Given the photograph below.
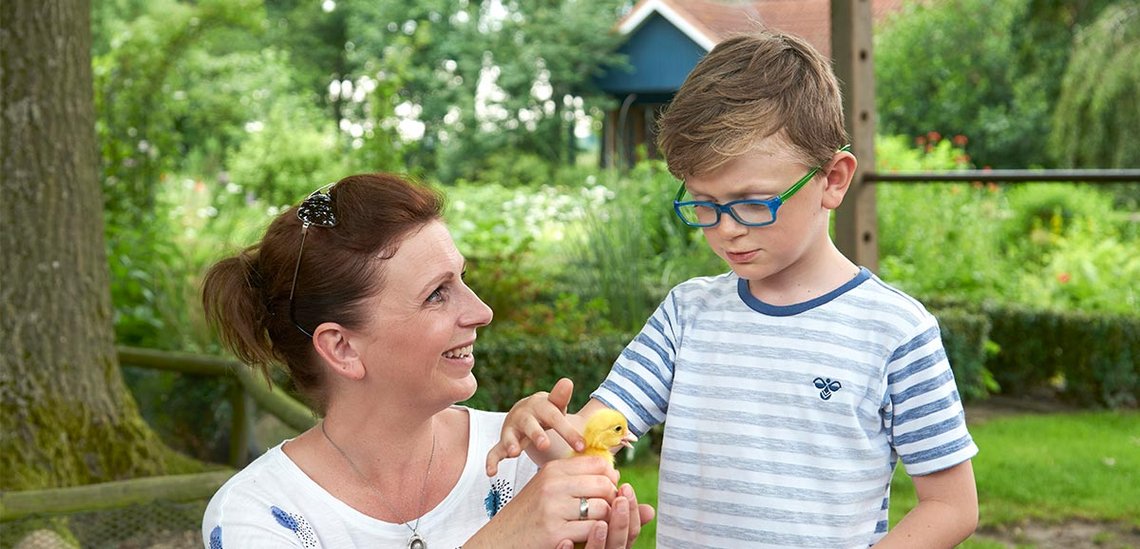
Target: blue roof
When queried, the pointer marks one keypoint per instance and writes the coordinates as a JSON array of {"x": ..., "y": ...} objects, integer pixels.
[{"x": 660, "y": 56}]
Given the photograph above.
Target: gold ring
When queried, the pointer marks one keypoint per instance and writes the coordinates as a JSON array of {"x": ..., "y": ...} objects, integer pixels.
[{"x": 583, "y": 508}]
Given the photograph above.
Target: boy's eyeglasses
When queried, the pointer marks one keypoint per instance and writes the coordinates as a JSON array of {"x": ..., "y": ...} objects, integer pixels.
[
  {"x": 317, "y": 210},
  {"x": 750, "y": 212}
]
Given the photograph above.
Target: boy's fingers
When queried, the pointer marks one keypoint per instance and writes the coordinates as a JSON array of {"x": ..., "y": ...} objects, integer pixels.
[
  {"x": 534, "y": 432},
  {"x": 508, "y": 447},
  {"x": 561, "y": 425},
  {"x": 561, "y": 393},
  {"x": 493, "y": 458}
]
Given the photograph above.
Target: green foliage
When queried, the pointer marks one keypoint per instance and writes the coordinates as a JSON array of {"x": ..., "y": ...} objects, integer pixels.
[
  {"x": 951, "y": 67},
  {"x": 1090, "y": 358},
  {"x": 192, "y": 414},
  {"x": 520, "y": 366},
  {"x": 136, "y": 103},
  {"x": 1098, "y": 110},
  {"x": 1077, "y": 246},
  {"x": 508, "y": 235},
  {"x": 287, "y": 157},
  {"x": 316, "y": 42},
  {"x": 950, "y": 226},
  {"x": 965, "y": 334},
  {"x": 1049, "y": 245},
  {"x": 633, "y": 249},
  {"x": 471, "y": 69}
]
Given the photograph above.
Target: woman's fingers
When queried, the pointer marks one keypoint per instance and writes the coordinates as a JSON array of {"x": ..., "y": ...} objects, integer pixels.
[
  {"x": 597, "y": 535},
  {"x": 620, "y": 533}
]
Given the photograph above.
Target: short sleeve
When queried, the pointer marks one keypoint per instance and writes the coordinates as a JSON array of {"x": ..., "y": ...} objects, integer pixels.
[
  {"x": 641, "y": 379},
  {"x": 924, "y": 415}
]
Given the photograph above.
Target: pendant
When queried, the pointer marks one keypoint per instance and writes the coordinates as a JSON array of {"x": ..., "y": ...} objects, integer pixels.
[{"x": 417, "y": 542}]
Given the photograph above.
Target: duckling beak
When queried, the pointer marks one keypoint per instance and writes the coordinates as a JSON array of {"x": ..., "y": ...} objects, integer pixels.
[{"x": 628, "y": 440}]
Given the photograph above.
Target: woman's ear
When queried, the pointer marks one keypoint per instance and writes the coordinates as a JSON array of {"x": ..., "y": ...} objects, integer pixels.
[
  {"x": 839, "y": 175},
  {"x": 333, "y": 342}
]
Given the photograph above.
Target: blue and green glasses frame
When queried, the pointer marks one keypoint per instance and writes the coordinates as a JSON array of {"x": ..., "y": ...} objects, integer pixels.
[{"x": 750, "y": 212}]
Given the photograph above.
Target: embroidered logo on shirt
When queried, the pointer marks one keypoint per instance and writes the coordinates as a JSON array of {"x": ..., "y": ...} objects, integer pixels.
[{"x": 827, "y": 387}]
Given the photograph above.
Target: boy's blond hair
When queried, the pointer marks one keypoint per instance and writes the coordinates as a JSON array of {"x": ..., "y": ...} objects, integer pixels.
[{"x": 750, "y": 87}]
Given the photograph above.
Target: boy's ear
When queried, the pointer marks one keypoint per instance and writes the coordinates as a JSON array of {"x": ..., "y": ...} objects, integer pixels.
[
  {"x": 839, "y": 175},
  {"x": 335, "y": 345}
]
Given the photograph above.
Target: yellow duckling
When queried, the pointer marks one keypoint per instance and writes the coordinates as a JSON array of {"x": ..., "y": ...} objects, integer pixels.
[{"x": 606, "y": 432}]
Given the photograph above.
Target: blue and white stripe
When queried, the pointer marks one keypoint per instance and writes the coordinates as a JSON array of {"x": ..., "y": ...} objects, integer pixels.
[{"x": 753, "y": 454}]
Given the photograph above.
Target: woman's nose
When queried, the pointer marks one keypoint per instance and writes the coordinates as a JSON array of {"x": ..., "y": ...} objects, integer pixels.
[{"x": 478, "y": 313}]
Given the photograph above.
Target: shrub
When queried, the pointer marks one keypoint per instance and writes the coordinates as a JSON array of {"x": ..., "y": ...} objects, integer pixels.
[
  {"x": 1091, "y": 358},
  {"x": 514, "y": 367},
  {"x": 965, "y": 334},
  {"x": 633, "y": 249}
]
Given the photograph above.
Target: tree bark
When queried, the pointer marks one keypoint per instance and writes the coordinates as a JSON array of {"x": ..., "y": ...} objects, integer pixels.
[{"x": 66, "y": 417}]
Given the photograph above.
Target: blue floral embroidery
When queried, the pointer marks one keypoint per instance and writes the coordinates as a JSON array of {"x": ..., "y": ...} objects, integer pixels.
[
  {"x": 216, "y": 538},
  {"x": 498, "y": 496},
  {"x": 297, "y": 524}
]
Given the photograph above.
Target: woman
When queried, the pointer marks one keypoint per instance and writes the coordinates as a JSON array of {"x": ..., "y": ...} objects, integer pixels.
[{"x": 359, "y": 291}]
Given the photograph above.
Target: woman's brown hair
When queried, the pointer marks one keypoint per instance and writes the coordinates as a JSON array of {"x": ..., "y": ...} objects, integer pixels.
[{"x": 246, "y": 297}]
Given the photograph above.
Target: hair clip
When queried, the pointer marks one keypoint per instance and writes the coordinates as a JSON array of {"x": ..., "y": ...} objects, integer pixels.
[{"x": 317, "y": 209}]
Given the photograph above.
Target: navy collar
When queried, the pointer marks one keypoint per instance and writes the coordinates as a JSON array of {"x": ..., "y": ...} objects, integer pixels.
[{"x": 797, "y": 308}]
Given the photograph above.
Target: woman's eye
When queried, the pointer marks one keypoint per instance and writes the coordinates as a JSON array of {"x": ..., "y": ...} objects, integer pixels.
[{"x": 436, "y": 296}]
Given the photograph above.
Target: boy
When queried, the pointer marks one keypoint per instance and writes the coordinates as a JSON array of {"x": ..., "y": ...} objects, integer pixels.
[{"x": 792, "y": 385}]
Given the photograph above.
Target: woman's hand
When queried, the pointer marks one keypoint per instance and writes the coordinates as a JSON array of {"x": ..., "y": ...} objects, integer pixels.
[
  {"x": 545, "y": 513},
  {"x": 626, "y": 517}
]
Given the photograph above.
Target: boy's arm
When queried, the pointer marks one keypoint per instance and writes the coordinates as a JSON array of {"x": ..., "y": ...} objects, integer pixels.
[
  {"x": 525, "y": 427},
  {"x": 946, "y": 514}
]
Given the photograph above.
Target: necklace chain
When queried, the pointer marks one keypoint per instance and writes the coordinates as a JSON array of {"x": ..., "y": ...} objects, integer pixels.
[{"x": 423, "y": 488}]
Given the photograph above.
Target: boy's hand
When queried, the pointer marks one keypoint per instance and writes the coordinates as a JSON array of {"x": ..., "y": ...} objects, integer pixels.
[{"x": 526, "y": 424}]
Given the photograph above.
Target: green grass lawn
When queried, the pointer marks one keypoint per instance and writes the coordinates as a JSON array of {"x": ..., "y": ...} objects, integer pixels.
[{"x": 1049, "y": 468}]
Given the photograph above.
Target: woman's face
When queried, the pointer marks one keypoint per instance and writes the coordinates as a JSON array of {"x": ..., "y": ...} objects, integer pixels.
[{"x": 422, "y": 324}]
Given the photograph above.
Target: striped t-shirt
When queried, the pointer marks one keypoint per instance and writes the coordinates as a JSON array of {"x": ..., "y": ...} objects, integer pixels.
[{"x": 783, "y": 424}]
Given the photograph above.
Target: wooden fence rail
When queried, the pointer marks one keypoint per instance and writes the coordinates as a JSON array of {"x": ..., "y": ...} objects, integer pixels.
[
  {"x": 1009, "y": 176},
  {"x": 110, "y": 495}
]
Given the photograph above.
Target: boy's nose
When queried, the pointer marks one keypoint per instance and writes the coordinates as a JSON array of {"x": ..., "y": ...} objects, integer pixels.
[{"x": 728, "y": 227}]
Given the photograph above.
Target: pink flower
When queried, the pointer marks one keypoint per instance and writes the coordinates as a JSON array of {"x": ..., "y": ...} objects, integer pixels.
[{"x": 1063, "y": 278}]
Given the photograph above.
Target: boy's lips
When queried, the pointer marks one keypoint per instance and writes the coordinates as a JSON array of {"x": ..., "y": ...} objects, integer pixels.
[{"x": 741, "y": 256}]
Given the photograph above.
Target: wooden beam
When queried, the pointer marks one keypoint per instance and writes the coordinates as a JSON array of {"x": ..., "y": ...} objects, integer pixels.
[
  {"x": 267, "y": 396},
  {"x": 110, "y": 495},
  {"x": 856, "y": 225}
]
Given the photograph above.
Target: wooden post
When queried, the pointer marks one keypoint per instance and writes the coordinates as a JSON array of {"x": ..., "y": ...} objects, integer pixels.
[
  {"x": 241, "y": 426},
  {"x": 856, "y": 226}
]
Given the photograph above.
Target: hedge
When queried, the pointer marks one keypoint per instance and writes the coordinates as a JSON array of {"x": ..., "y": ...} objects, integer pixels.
[
  {"x": 509, "y": 368},
  {"x": 965, "y": 334},
  {"x": 1091, "y": 359}
]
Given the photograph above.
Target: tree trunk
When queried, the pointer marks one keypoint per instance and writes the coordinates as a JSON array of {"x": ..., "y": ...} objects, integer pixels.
[{"x": 66, "y": 418}]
